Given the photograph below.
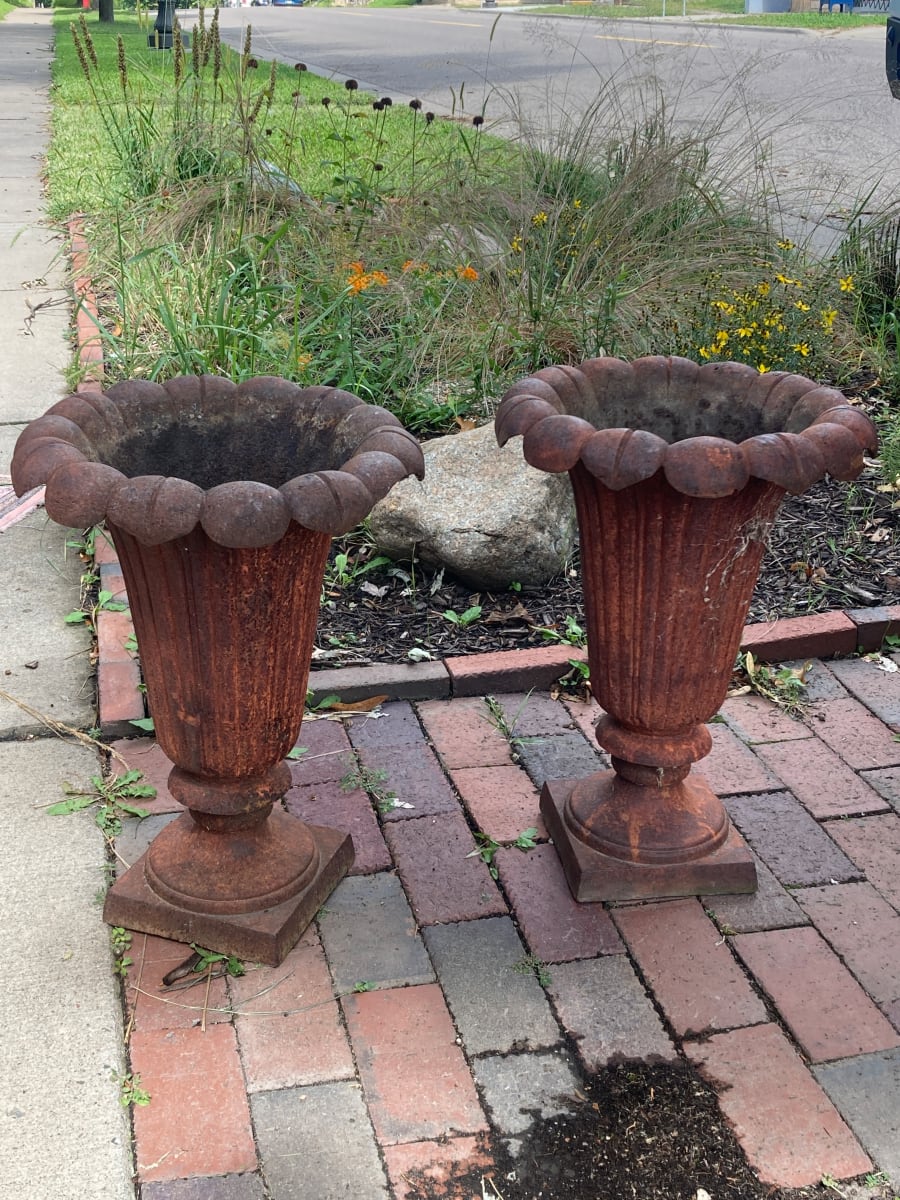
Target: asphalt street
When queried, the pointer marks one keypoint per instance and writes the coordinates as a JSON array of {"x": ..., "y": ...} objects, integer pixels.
[{"x": 818, "y": 102}]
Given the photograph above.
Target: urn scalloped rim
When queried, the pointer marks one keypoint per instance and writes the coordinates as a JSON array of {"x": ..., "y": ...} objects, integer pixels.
[
  {"x": 626, "y": 421},
  {"x": 70, "y": 447}
]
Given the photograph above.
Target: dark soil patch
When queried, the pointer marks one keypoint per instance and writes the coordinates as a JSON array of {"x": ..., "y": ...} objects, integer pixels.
[
  {"x": 835, "y": 547},
  {"x": 634, "y": 1133}
]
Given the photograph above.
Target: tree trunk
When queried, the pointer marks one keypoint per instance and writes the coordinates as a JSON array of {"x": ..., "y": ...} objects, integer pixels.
[{"x": 105, "y": 9}]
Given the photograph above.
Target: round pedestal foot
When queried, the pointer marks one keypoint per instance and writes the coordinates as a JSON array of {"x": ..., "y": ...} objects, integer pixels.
[
  {"x": 677, "y": 822},
  {"x": 240, "y": 871}
]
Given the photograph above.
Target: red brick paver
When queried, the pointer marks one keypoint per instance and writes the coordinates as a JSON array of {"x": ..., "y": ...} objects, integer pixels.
[
  {"x": 821, "y": 781},
  {"x": 180, "y": 1132},
  {"x": 873, "y": 843},
  {"x": 145, "y": 755},
  {"x": 444, "y": 879},
  {"x": 417, "y": 1084},
  {"x": 730, "y": 767},
  {"x": 756, "y": 719},
  {"x": 822, "y": 1004},
  {"x": 502, "y": 801},
  {"x": 556, "y": 927},
  {"x": 789, "y": 1129},
  {"x": 463, "y": 734},
  {"x": 509, "y": 671},
  {"x": 817, "y": 636},
  {"x": 689, "y": 966},
  {"x": 291, "y": 1033},
  {"x": 854, "y": 733},
  {"x": 438, "y": 1163},
  {"x": 151, "y": 1006},
  {"x": 865, "y": 931},
  {"x": 351, "y": 812}
]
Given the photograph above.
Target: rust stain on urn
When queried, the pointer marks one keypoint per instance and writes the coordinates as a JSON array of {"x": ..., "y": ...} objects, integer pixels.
[
  {"x": 221, "y": 500},
  {"x": 678, "y": 471}
]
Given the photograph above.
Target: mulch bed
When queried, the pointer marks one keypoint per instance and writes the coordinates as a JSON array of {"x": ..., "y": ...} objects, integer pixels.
[
  {"x": 835, "y": 547},
  {"x": 634, "y": 1133}
]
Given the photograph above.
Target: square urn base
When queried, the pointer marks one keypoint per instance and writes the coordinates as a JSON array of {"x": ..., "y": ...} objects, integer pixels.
[
  {"x": 593, "y": 876},
  {"x": 265, "y": 936}
]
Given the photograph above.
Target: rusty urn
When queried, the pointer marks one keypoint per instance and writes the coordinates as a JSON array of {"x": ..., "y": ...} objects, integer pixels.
[
  {"x": 222, "y": 500},
  {"x": 678, "y": 472}
]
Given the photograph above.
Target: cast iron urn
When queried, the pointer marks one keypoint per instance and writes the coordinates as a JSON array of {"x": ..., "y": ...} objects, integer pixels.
[
  {"x": 221, "y": 500},
  {"x": 678, "y": 471}
]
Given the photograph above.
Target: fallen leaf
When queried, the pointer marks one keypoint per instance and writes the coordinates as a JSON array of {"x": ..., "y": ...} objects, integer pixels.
[
  {"x": 358, "y": 705},
  {"x": 502, "y": 617},
  {"x": 465, "y": 424}
]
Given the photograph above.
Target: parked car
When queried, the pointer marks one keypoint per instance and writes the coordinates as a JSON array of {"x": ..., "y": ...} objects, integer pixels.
[
  {"x": 892, "y": 48},
  {"x": 288, "y": 3}
]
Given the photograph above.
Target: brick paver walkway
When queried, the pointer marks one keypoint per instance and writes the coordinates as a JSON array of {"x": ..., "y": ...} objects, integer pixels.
[{"x": 394, "y": 1036}]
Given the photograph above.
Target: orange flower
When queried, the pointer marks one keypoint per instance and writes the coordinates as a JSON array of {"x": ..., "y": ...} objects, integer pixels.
[
  {"x": 378, "y": 277},
  {"x": 467, "y": 273}
]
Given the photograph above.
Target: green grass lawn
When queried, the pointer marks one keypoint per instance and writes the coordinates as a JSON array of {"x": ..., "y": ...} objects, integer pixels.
[{"x": 726, "y": 11}]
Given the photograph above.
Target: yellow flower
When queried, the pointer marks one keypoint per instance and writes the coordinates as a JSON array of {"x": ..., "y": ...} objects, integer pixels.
[
  {"x": 846, "y": 283},
  {"x": 539, "y": 219},
  {"x": 703, "y": 351},
  {"x": 827, "y": 320},
  {"x": 763, "y": 288},
  {"x": 303, "y": 361},
  {"x": 467, "y": 273},
  {"x": 576, "y": 204},
  {"x": 802, "y": 348},
  {"x": 721, "y": 339},
  {"x": 803, "y": 307},
  {"x": 516, "y": 245},
  {"x": 744, "y": 332},
  {"x": 787, "y": 244},
  {"x": 762, "y": 368},
  {"x": 787, "y": 281},
  {"x": 723, "y": 306}
]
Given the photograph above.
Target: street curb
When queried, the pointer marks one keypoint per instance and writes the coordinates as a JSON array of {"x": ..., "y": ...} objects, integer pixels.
[{"x": 822, "y": 635}]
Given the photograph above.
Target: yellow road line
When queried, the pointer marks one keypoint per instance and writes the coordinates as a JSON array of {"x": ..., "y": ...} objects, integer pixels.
[{"x": 611, "y": 37}]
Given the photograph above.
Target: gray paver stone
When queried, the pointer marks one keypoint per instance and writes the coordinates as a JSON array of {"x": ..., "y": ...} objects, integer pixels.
[
  {"x": 603, "y": 1005},
  {"x": 878, "y": 690},
  {"x": 563, "y": 756},
  {"x": 369, "y": 933},
  {"x": 519, "y": 1088},
  {"x": 136, "y": 836},
  {"x": 496, "y": 1006},
  {"x": 209, "y": 1187},
  {"x": 414, "y": 774},
  {"x": 885, "y": 781},
  {"x": 792, "y": 843},
  {"x": 317, "y": 1142},
  {"x": 769, "y": 907},
  {"x": 397, "y": 725},
  {"x": 534, "y": 714},
  {"x": 866, "y": 1092}
]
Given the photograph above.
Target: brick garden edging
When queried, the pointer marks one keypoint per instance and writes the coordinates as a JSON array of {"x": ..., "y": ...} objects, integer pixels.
[{"x": 823, "y": 635}]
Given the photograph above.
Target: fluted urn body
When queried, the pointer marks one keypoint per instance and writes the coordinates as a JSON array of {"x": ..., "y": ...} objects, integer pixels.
[
  {"x": 221, "y": 500},
  {"x": 678, "y": 472}
]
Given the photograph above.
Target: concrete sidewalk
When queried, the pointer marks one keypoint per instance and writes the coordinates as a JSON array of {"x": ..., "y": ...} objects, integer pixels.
[
  {"x": 64, "y": 1133},
  {"x": 433, "y": 1005}
]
